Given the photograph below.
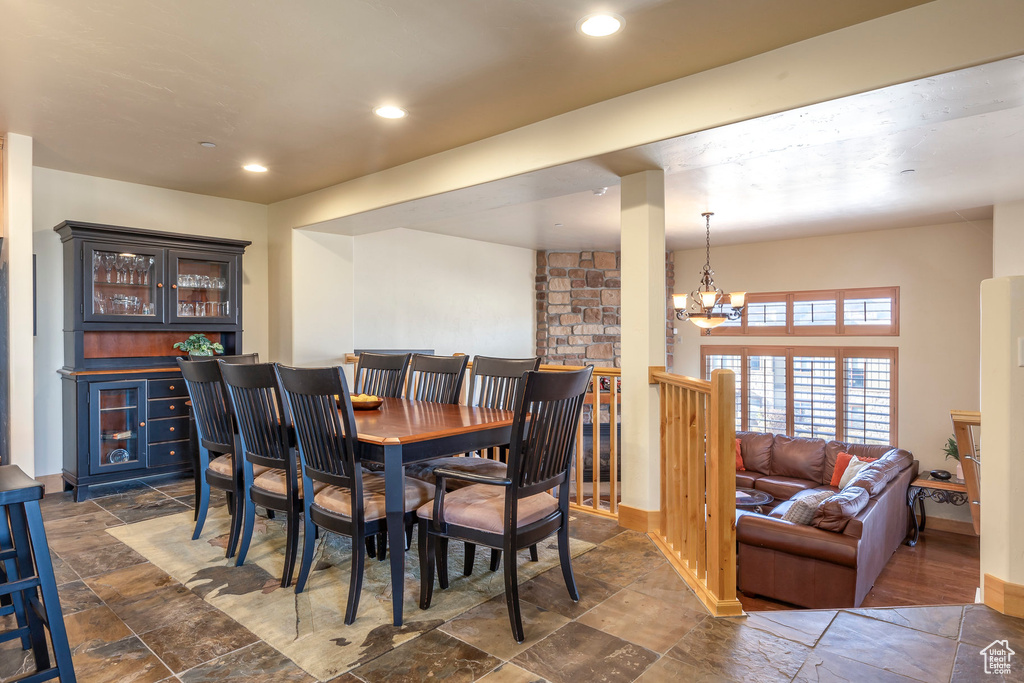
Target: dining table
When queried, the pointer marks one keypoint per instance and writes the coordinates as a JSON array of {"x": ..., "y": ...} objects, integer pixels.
[{"x": 401, "y": 432}]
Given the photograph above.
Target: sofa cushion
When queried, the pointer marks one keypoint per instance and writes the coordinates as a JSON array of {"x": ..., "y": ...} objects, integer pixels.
[
  {"x": 801, "y": 510},
  {"x": 836, "y": 511},
  {"x": 875, "y": 476},
  {"x": 903, "y": 459},
  {"x": 798, "y": 458},
  {"x": 746, "y": 479},
  {"x": 853, "y": 468},
  {"x": 783, "y": 488},
  {"x": 756, "y": 451},
  {"x": 859, "y": 450}
]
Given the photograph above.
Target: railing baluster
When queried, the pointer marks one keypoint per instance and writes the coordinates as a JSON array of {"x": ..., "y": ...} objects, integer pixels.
[
  {"x": 595, "y": 426},
  {"x": 613, "y": 444}
]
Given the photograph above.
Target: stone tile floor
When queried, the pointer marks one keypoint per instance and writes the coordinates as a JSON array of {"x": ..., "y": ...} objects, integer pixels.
[{"x": 636, "y": 620}]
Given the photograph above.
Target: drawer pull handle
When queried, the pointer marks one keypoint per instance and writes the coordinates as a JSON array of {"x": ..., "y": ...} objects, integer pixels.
[
  {"x": 171, "y": 387},
  {"x": 172, "y": 429},
  {"x": 159, "y": 285},
  {"x": 142, "y": 424},
  {"x": 172, "y": 452},
  {"x": 170, "y": 407}
]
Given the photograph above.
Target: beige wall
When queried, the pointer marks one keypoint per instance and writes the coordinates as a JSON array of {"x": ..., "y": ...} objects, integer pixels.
[
  {"x": 938, "y": 269},
  {"x": 58, "y": 196},
  {"x": 322, "y": 307},
  {"x": 416, "y": 289}
]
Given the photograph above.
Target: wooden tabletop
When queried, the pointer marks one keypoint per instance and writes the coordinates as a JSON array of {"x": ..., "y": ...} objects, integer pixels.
[
  {"x": 950, "y": 485},
  {"x": 399, "y": 421}
]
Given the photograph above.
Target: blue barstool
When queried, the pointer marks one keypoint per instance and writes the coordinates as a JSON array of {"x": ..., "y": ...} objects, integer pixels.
[{"x": 25, "y": 573}]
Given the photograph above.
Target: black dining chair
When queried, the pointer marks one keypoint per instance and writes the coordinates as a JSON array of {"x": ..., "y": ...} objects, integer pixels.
[
  {"x": 437, "y": 379},
  {"x": 236, "y": 359},
  {"x": 515, "y": 511},
  {"x": 381, "y": 374},
  {"x": 350, "y": 500},
  {"x": 266, "y": 441}
]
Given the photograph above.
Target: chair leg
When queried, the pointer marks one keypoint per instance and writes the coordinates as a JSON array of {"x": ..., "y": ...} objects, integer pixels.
[
  {"x": 371, "y": 546},
  {"x": 291, "y": 546},
  {"x": 270, "y": 514},
  {"x": 533, "y": 553},
  {"x": 230, "y": 498},
  {"x": 565, "y": 560},
  {"x": 9, "y": 570},
  {"x": 308, "y": 543},
  {"x": 355, "y": 584},
  {"x": 470, "y": 559},
  {"x": 408, "y": 537},
  {"x": 236, "y": 503},
  {"x": 495, "y": 559},
  {"x": 512, "y": 591},
  {"x": 382, "y": 546},
  {"x": 426, "y": 566},
  {"x": 202, "y": 505},
  {"x": 37, "y": 635},
  {"x": 248, "y": 522},
  {"x": 442, "y": 561},
  {"x": 48, "y": 588}
]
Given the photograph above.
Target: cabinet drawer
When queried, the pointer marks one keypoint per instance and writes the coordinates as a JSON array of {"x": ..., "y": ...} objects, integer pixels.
[
  {"x": 168, "y": 429},
  {"x": 169, "y": 453},
  {"x": 164, "y": 388},
  {"x": 167, "y": 407}
]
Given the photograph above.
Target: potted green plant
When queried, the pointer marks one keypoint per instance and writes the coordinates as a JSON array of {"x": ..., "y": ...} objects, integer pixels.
[
  {"x": 951, "y": 451},
  {"x": 199, "y": 345}
]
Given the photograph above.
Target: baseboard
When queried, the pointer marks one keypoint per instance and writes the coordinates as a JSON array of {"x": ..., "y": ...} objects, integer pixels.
[
  {"x": 647, "y": 521},
  {"x": 953, "y": 526},
  {"x": 1004, "y": 596},
  {"x": 52, "y": 483}
]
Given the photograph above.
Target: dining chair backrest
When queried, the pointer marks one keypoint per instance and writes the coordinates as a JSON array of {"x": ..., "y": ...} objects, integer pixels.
[
  {"x": 238, "y": 359},
  {"x": 548, "y": 407},
  {"x": 381, "y": 374},
  {"x": 437, "y": 379},
  {"x": 493, "y": 381},
  {"x": 325, "y": 428},
  {"x": 214, "y": 422},
  {"x": 260, "y": 415}
]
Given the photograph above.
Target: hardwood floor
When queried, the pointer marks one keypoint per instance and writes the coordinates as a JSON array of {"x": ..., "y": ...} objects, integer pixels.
[{"x": 942, "y": 569}]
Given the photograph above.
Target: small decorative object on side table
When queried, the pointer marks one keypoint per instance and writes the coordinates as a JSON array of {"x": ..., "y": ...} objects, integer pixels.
[
  {"x": 752, "y": 499},
  {"x": 953, "y": 491}
]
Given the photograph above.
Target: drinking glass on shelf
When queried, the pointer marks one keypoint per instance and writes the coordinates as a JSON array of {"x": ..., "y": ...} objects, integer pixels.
[
  {"x": 108, "y": 262},
  {"x": 120, "y": 261},
  {"x": 150, "y": 260},
  {"x": 206, "y": 282},
  {"x": 189, "y": 310},
  {"x": 97, "y": 263}
]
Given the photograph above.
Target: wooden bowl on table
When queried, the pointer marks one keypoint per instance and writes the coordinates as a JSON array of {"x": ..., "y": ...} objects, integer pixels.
[{"x": 365, "y": 402}]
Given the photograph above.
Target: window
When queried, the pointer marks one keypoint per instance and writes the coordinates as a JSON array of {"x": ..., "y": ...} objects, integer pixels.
[
  {"x": 820, "y": 392},
  {"x": 851, "y": 312}
]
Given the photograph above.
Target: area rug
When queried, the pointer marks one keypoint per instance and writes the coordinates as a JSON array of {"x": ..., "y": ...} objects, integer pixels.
[{"x": 310, "y": 628}]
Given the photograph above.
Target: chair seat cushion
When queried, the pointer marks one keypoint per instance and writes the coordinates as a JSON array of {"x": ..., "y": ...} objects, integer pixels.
[
  {"x": 225, "y": 465},
  {"x": 482, "y": 507},
  {"x": 746, "y": 479},
  {"x": 424, "y": 471},
  {"x": 274, "y": 481},
  {"x": 338, "y": 500}
]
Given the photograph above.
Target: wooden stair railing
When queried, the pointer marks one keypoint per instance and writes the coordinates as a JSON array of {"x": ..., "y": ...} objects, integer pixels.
[
  {"x": 698, "y": 484},
  {"x": 963, "y": 421}
]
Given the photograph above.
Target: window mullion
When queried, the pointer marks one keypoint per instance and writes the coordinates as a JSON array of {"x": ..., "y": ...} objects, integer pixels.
[{"x": 840, "y": 395}]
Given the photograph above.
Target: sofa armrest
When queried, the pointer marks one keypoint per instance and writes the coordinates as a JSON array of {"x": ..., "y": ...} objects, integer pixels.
[{"x": 796, "y": 539}]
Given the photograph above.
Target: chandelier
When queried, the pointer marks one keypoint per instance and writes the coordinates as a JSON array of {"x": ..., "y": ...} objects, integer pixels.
[{"x": 706, "y": 307}]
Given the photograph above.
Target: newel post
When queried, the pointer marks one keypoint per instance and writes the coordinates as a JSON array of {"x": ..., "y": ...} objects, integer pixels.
[{"x": 721, "y": 486}]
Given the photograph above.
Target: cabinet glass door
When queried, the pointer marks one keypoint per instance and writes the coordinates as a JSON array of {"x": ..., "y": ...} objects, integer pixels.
[
  {"x": 117, "y": 426},
  {"x": 123, "y": 283},
  {"x": 205, "y": 288}
]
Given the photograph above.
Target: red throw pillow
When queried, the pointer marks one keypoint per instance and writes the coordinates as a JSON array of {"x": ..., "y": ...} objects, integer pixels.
[
  {"x": 842, "y": 462},
  {"x": 739, "y": 458}
]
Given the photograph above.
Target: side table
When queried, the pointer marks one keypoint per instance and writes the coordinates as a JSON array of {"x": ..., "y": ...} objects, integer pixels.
[{"x": 953, "y": 491}]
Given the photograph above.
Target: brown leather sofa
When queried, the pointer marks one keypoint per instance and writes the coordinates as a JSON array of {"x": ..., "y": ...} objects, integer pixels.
[{"x": 834, "y": 561}]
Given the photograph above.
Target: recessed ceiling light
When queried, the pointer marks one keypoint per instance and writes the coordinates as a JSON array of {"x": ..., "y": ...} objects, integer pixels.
[
  {"x": 206, "y": 143},
  {"x": 389, "y": 111},
  {"x": 600, "y": 25},
  {"x": 255, "y": 168}
]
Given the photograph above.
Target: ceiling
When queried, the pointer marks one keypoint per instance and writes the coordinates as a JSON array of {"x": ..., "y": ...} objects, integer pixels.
[
  {"x": 126, "y": 89},
  {"x": 939, "y": 150}
]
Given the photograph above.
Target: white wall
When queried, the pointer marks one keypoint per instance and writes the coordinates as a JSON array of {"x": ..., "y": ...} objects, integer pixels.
[
  {"x": 322, "y": 306},
  {"x": 17, "y": 248},
  {"x": 420, "y": 290},
  {"x": 58, "y": 196},
  {"x": 939, "y": 270}
]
